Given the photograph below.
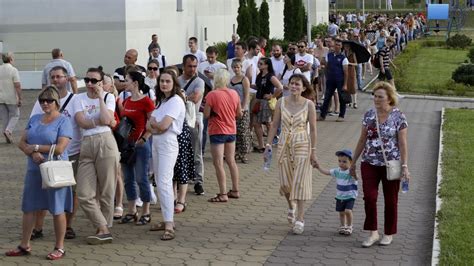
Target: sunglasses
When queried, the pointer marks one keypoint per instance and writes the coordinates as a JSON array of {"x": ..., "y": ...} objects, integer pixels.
[
  {"x": 153, "y": 68},
  {"x": 92, "y": 80},
  {"x": 46, "y": 100}
]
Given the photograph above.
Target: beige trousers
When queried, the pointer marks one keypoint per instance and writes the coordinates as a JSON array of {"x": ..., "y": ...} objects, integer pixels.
[{"x": 96, "y": 178}]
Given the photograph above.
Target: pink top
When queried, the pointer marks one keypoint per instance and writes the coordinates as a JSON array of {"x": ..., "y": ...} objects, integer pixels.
[{"x": 224, "y": 104}]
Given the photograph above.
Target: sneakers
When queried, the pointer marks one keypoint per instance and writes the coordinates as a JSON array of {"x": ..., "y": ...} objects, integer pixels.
[
  {"x": 386, "y": 240},
  {"x": 370, "y": 241},
  {"x": 100, "y": 239},
  {"x": 298, "y": 228},
  {"x": 198, "y": 189},
  {"x": 340, "y": 119},
  {"x": 139, "y": 202}
]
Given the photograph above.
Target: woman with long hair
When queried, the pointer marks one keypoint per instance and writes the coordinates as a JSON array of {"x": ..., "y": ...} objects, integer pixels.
[{"x": 166, "y": 123}]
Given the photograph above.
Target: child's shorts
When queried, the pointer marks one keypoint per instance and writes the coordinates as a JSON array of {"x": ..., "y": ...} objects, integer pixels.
[{"x": 342, "y": 205}]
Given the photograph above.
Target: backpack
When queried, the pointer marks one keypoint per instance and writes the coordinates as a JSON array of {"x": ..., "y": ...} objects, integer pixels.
[{"x": 376, "y": 60}]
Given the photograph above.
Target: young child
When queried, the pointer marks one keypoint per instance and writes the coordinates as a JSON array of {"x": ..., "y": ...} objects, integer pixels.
[{"x": 346, "y": 190}]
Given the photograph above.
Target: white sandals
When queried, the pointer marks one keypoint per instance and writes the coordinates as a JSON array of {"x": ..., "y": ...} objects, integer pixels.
[{"x": 291, "y": 216}]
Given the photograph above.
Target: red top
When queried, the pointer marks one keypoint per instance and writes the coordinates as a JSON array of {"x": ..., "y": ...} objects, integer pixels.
[
  {"x": 224, "y": 104},
  {"x": 137, "y": 111}
]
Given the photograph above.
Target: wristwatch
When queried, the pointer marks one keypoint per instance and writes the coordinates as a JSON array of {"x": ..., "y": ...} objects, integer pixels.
[{"x": 36, "y": 149}]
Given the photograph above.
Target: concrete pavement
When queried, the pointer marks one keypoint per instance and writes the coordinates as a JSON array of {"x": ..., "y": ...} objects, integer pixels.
[{"x": 252, "y": 230}]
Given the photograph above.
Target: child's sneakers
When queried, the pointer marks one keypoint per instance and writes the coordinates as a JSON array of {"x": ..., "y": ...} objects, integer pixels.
[
  {"x": 345, "y": 230},
  {"x": 342, "y": 230},
  {"x": 298, "y": 228}
]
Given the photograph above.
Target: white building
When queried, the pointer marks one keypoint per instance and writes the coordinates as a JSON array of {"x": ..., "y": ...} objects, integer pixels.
[{"x": 93, "y": 33}]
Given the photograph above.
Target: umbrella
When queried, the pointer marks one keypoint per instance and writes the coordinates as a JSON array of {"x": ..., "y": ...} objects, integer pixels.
[
  {"x": 360, "y": 51},
  {"x": 207, "y": 81}
]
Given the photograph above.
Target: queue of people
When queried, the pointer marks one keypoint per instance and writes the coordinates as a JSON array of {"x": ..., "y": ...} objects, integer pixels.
[{"x": 172, "y": 113}]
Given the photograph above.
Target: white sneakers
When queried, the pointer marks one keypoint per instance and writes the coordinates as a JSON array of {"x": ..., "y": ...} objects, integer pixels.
[
  {"x": 386, "y": 240},
  {"x": 298, "y": 228}
]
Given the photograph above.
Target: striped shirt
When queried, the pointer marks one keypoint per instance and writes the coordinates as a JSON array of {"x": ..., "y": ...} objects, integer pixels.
[
  {"x": 385, "y": 54},
  {"x": 346, "y": 185}
]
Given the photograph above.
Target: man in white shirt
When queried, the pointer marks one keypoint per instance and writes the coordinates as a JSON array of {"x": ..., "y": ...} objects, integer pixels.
[
  {"x": 59, "y": 78},
  {"x": 253, "y": 56},
  {"x": 156, "y": 54},
  {"x": 333, "y": 29},
  {"x": 193, "y": 49},
  {"x": 304, "y": 61},
  {"x": 58, "y": 60},
  {"x": 277, "y": 60},
  {"x": 209, "y": 67},
  {"x": 240, "y": 50},
  {"x": 10, "y": 95}
]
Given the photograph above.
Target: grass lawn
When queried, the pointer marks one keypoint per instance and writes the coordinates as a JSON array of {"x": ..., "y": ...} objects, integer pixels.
[
  {"x": 433, "y": 65},
  {"x": 456, "y": 225}
]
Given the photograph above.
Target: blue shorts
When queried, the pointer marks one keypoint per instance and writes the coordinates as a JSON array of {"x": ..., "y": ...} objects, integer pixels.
[
  {"x": 342, "y": 205},
  {"x": 221, "y": 139}
]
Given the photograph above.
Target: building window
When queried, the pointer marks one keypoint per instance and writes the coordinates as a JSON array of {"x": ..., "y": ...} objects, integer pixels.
[
  {"x": 205, "y": 34},
  {"x": 233, "y": 28},
  {"x": 179, "y": 6}
]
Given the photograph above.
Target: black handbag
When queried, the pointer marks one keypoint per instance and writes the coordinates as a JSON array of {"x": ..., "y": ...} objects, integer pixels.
[
  {"x": 123, "y": 131},
  {"x": 128, "y": 154},
  {"x": 345, "y": 97}
]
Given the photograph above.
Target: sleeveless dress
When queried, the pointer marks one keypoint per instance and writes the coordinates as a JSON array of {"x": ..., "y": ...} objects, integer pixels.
[
  {"x": 294, "y": 150},
  {"x": 244, "y": 136}
]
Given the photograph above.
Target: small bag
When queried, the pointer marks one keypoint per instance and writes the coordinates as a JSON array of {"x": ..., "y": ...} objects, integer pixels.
[
  {"x": 123, "y": 131},
  {"x": 191, "y": 113},
  {"x": 394, "y": 167},
  {"x": 56, "y": 174},
  {"x": 128, "y": 155},
  {"x": 256, "y": 107},
  {"x": 346, "y": 97},
  {"x": 272, "y": 103}
]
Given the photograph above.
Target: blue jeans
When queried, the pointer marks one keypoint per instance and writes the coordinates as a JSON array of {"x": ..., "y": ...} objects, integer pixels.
[
  {"x": 204, "y": 134},
  {"x": 138, "y": 173},
  {"x": 359, "y": 76},
  {"x": 331, "y": 86}
]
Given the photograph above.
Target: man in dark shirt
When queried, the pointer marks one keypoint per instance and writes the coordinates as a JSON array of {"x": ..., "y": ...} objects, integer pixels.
[
  {"x": 385, "y": 73},
  {"x": 129, "y": 60},
  {"x": 154, "y": 43}
]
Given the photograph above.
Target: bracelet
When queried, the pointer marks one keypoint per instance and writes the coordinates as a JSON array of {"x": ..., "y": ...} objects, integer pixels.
[
  {"x": 144, "y": 140},
  {"x": 36, "y": 149},
  {"x": 404, "y": 166}
]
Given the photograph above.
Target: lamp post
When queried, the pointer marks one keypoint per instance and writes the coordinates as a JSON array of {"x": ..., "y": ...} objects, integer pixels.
[{"x": 308, "y": 23}]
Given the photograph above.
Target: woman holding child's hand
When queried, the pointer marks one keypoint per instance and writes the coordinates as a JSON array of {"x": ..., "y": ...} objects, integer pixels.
[
  {"x": 393, "y": 133},
  {"x": 297, "y": 147}
]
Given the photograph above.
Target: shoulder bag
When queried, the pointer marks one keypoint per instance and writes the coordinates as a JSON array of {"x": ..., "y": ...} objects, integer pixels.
[
  {"x": 190, "y": 107},
  {"x": 56, "y": 174},
  {"x": 394, "y": 167}
]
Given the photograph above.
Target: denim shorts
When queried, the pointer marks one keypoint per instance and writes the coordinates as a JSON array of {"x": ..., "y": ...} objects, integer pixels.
[
  {"x": 342, "y": 205},
  {"x": 221, "y": 139}
]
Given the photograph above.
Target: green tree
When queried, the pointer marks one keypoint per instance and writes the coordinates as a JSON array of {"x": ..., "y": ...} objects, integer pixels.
[
  {"x": 294, "y": 19},
  {"x": 244, "y": 25},
  {"x": 288, "y": 15},
  {"x": 264, "y": 20},
  {"x": 254, "y": 19}
]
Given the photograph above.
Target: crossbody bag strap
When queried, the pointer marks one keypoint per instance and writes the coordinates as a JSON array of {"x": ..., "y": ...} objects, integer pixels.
[
  {"x": 51, "y": 152},
  {"x": 189, "y": 83},
  {"x": 66, "y": 102},
  {"x": 379, "y": 133}
]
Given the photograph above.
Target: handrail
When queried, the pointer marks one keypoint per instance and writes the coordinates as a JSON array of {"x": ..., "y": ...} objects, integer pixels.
[{"x": 31, "y": 61}]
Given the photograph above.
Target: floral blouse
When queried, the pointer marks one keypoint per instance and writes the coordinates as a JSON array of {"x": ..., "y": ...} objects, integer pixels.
[{"x": 395, "y": 122}]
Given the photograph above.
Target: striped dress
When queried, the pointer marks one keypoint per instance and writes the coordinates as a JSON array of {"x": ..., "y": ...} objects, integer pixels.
[{"x": 294, "y": 152}]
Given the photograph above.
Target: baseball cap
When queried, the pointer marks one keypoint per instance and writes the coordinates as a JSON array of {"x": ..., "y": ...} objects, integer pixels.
[{"x": 345, "y": 152}]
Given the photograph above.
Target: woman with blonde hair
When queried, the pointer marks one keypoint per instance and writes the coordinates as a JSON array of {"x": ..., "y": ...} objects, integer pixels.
[
  {"x": 383, "y": 125},
  {"x": 222, "y": 108}
]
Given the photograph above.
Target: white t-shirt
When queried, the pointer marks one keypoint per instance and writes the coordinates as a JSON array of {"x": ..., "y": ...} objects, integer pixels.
[
  {"x": 245, "y": 64},
  {"x": 201, "y": 56},
  {"x": 278, "y": 65},
  {"x": 254, "y": 66},
  {"x": 91, "y": 109},
  {"x": 74, "y": 146},
  {"x": 302, "y": 60},
  {"x": 174, "y": 108},
  {"x": 212, "y": 68}
]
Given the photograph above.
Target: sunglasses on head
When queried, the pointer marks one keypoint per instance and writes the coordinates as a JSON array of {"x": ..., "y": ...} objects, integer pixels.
[
  {"x": 92, "y": 80},
  {"x": 153, "y": 68},
  {"x": 46, "y": 100}
]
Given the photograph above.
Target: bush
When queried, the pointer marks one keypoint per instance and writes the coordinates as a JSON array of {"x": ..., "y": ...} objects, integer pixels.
[
  {"x": 451, "y": 88},
  {"x": 464, "y": 74},
  {"x": 459, "y": 41},
  {"x": 319, "y": 30},
  {"x": 432, "y": 43},
  {"x": 471, "y": 55},
  {"x": 221, "y": 50},
  {"x": 283, "y": 43}
]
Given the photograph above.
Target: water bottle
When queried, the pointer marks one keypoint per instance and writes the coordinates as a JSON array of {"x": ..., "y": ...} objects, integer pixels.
[
  {"x": 405, "y": 185},
  {"x": 267, "y": 159}
]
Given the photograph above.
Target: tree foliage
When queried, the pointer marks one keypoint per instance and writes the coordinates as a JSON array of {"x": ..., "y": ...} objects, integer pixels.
[
  {"x": 254, "y": 18},
  {"x": 244, "y": 25},
  {"x": 264, "y": 17},
  {"x": 294, "y": 20}
]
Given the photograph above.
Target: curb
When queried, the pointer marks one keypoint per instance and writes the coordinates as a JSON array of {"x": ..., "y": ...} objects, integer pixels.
[
  {"x": 439, "y": 176},
  {"x": 439, "y": 98}
]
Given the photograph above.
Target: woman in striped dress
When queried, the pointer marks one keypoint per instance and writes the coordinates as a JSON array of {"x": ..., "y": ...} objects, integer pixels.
[{"x": 297, "y": 147}]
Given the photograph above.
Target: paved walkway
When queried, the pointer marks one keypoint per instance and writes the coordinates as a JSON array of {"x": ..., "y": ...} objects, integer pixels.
[{"x": 251, "y": 230}]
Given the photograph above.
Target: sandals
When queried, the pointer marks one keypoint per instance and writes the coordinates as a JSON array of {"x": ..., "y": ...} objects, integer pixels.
[
  {"x": 36, "y": 234},
  {"x": 177, "y": 210},
  {"x": 259, "y": 150},
  {"x": 298, "y": 228},
  {"x": 219, "y": 198},
  {"x": 159, "y": 227},
  {"x": 168, "y": 235},
  {"x": 144, "y": 219},
  {"x": 244, "y": 160},
  {"x": 128, "y": 218},
  {"x": 118, "y": 213},
  {"x": 70, "y": 234},
  {"x": 233, "y": 194},
  {"x": 56, "y": 254},
  {"x": 291, "y": 216},
  {"x": 8, "y": 136},
  {"x": 19, "y": 251}
]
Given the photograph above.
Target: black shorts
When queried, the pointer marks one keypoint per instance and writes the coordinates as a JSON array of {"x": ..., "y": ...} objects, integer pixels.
[
  {"x": 387, "y": 76},
  {"x": 342, "y": 205}
]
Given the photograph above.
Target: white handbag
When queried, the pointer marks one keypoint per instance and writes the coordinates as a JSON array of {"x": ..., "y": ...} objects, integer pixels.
[
  {"x": 56, "y": 174},
  {"x": 190, "y": 113},
  {"x": 394, "y": 167}
]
